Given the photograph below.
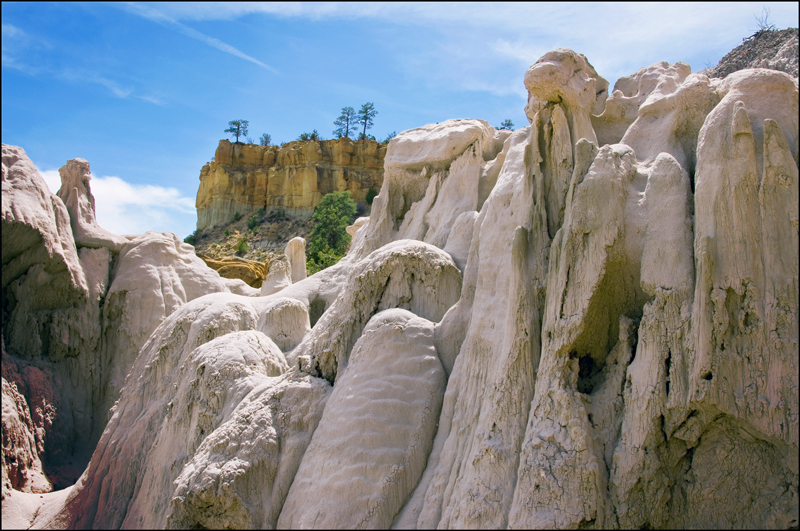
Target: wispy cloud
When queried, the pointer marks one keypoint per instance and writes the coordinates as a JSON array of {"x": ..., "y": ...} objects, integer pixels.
[
  {"x": 18, "y": 43},
  {"x": 164, "y": 20},
  {"x": 15, "y": 41},
  {"x": 155, "y": 100},
  {"x": 125, "y": 208},
  {"x": 617, "y": 38}
]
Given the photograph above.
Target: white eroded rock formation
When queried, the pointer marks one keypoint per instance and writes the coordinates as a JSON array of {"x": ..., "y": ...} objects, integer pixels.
[
  {"x": 591, "y": 322},
  {"x": 78, "y": 304}
]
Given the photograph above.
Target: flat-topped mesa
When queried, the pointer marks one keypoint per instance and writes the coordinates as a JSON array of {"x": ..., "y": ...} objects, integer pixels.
[{"x": 244, "y": 178}]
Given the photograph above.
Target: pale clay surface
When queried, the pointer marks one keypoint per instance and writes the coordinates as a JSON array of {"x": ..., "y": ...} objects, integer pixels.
[{"x": 589, "y": 322}]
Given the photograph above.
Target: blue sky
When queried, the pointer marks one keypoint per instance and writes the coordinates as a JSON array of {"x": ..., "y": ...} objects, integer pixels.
[{"x": 144, "y": 91}]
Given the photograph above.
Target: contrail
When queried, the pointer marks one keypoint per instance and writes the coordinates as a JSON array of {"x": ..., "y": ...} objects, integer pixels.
[{"x": 157, "y": 16}]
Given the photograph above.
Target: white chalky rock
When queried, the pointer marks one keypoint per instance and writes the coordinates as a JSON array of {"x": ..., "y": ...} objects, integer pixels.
[
  {"x": 461, "y": 237},
  {"x": 670, "y": 122},
  {"x": 357, "y": 224},
  {"x": 435, "y": 145},
  {"x": 433, "y": 175},
  {"x": 296, "y": 254},
  {"x": 404, "y": 274},
  {"x": 195, "y": 369},
  {"x": 563, "y": 76},
  {"x": 241, "y": 473},
  {"x": 531, "y": 331},
  {"x": 155, "y": 274},
  {"x": 384, "y": 409},
  {"x": 37, "y": 233},
  {"x": 488, "y": 341},
  {"x": 76, "y": 194},
  {"x": 647, "y": 84},
  {"x": 279, "y": 275}
]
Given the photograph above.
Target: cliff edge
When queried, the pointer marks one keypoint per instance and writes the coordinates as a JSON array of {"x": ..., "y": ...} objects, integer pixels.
[{"x": 291, "y": 178}]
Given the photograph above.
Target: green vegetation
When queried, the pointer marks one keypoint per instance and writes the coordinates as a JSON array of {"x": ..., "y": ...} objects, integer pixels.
[
  {"x": 237, "y": 216},
  {"x": 313, "y": 135},
  {"x": 227, "y": 232},
  {"x": 364, "y": 118},
  {"x": 253, "y": 221},
  {"x": 507, "y": 124},
  {"x": 238, "y": 128},
  {"x": 371, "y": 193},
  {"x": 242, "y": 246},
  {"x": 328, "y": 241},
  {"x": 192, "y": 238},
  {"x": 265, "y": 139},
  {"x": 390, "y": 136},
  {"x": 350, "y": 120},
  {"x": 346, "y": 121}
]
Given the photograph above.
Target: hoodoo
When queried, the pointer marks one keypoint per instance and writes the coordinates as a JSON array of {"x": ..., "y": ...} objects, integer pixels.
[{"x": 590, "y": 322}]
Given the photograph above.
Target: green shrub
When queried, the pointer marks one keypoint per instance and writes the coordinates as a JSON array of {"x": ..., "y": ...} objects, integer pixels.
[
  {"x": 371, "y": 193},
  {"x": 252, "y": 222},
  {"x": 192, "y": 238},
  {"x": 329, "y": 240},
  {"x": 227, "y": 232},
  {"x": 237, "y": 217},
  {"x": 242, "y": 246}
]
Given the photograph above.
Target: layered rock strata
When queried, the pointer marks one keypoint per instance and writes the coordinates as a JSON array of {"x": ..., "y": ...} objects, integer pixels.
[
  {"x": 245, "y": 178},
  {"x": 591, "y": 322}
]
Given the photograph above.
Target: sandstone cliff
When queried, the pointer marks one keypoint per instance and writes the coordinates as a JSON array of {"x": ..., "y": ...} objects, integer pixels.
[
  {"x": 591, "y": 322},
  {"x": 244, "y": 178}
]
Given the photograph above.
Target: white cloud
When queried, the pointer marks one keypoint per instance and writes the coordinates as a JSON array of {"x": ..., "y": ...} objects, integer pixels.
[
  {"x": 15, "y": 42},
  {"x": 125, "y": 208},
  {"x": 113, "y": 87}
]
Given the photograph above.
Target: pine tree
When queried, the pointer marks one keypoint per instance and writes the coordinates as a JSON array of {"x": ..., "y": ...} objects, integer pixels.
[
  {"x": 346, "y": 122},
  {"x": 238, "y": 128},
  {"x": 365, "y": 116}
]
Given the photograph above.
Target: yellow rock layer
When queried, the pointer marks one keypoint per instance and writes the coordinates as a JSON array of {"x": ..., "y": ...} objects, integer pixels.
[
  {"x": 252, "y": 272},
  {"x": 245, "y": 177}
]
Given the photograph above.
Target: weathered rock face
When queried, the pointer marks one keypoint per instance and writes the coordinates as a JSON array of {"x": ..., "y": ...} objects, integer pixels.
[
  {"x": 78, "y": 303},
  {"x": 534, "y": 329},
  {"x": 244, "y": 178},
  {"x": 77, "y": 196}
]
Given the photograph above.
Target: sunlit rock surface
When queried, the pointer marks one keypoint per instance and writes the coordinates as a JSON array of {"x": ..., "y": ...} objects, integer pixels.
[
  {"x": 292, "y": 178},
  {"x": 591, "y": 322}
]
